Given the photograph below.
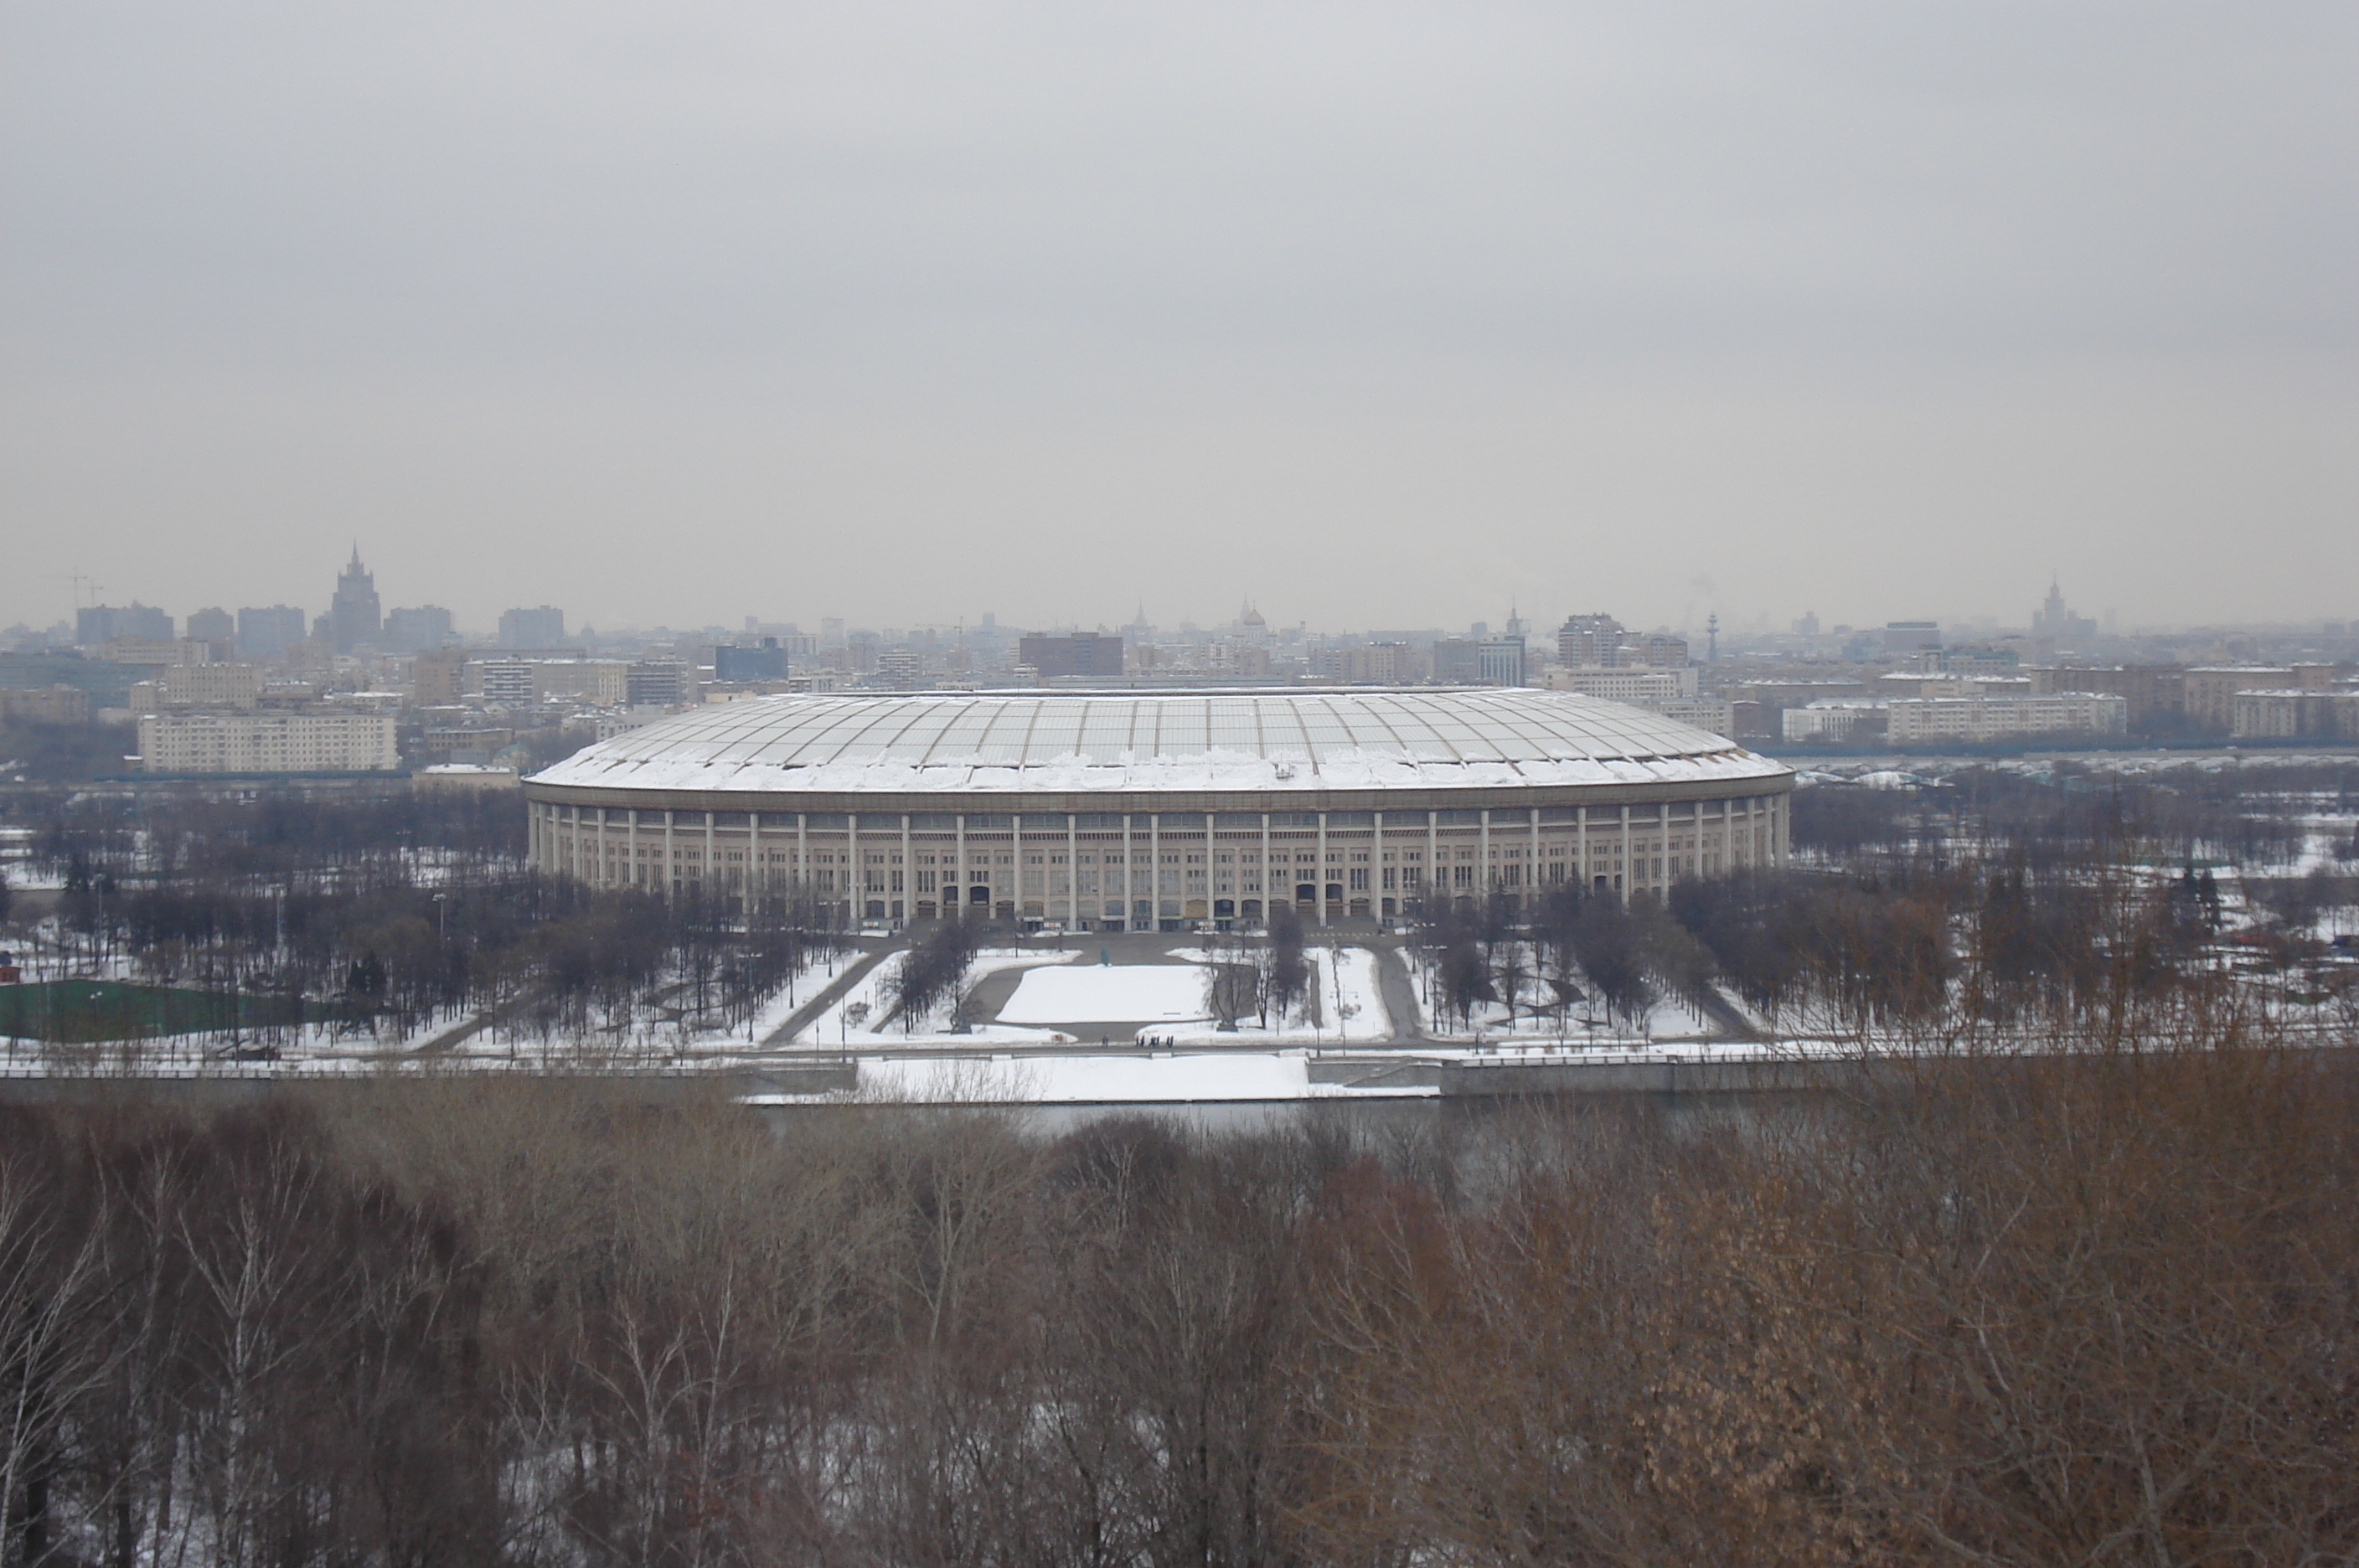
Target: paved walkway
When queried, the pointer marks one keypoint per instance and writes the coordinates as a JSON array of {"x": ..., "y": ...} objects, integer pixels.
[
  {"x": 1399, "y": 992},
  {"x": 802, "y": 1017}
]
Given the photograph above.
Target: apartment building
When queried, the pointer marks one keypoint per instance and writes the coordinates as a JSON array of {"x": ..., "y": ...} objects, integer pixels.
[
  {"x": 236, "y": 686},
  {"x": 266, "y": 743},
  {"x": 1617, "y": 683},
  {"x": 1912, "y": 721}
]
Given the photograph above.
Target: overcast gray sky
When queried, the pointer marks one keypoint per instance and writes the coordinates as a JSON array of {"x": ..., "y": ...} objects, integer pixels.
[{"x": 1380, "y": 313}]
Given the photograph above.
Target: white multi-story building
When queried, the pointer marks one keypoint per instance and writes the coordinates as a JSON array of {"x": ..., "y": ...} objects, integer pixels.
[
  {"x": 1916, "y": 720},
  {"x": 1903, "y": 683},
  {"x": 266, "y": 743},
  {"x": 515, "y": 682},
  {"x": 507, "y": 682},
  {"x": 1708, "y": 713},
  {"x": 2211, "y": 690},
  {"x": 2291, "y": 713},
  {"x": 1375, "y": 663},
  {"x": 1831, "y": 718},
  {"x": 2266, "y": 716},
  {"x": 1615, "y": 683},
  {"x": 236, "y": 686},
  {"x": 600, "y": 682}
]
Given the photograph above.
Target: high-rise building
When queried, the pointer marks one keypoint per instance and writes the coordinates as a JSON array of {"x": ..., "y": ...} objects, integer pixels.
[
  {"x": 353, "y": 618},
  {"x": 412, "y": 631},
  {"x": 267, "y": 632},
  {"x": 1087, "y": 655},
  {"x": 438, "y": 678},
  {"x": 1457, "y": 662},
  {"x": 2055, "y": 622},
  {"x": 46, "y": 705},
  {"x": 1656, "y": 650},
  {"x": 101, "y": 623},
  {"x": 766, "y": 662},
  {"x": 1500, "y": 661},
  {"x": 212, "y": 626},
  {"x": 507, "y": 682},
  {"x": 540, "y": 627},
  {"x": 1592, "y": 642},
  {"x": 660, "y": 683}
]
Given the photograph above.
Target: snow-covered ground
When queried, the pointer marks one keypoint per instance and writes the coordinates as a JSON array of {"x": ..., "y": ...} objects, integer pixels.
[
  {"x": 1351, "y": 1006},
  {"x": 1137, "y": 992},
  {"x": 1175, "y": 1079},
  {"x": 858, "y": 1017}
]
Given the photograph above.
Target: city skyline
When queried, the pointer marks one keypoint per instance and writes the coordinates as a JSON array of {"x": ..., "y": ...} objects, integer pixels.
[{"x": 501, "y": 624}]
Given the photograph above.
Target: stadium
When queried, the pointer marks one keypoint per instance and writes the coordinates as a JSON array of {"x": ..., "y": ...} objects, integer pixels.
[{"x": 1124, "y": 810}]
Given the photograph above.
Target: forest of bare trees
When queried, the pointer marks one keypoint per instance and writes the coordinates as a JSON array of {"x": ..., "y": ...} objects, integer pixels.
[
  {"x": 1990, "y": 906},
  {"x": 387, "y": 912},
  {"x": 2093, "y": 1310}
]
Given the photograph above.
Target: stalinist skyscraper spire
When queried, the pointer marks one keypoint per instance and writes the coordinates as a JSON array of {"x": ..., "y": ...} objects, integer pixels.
[{"x": 354, "y": 618}]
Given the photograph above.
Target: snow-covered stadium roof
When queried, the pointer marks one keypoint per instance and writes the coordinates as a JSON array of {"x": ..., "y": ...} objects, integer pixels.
[{"x": 1124, "y": 741}]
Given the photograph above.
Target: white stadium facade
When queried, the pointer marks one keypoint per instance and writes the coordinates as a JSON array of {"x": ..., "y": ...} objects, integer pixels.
[{"x": 1124, "y": 810}]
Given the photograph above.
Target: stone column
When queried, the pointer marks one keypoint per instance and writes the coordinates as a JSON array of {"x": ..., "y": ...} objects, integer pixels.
[
  {"x": 1265, "y": 871},
  {"x": 1487, "y": 874},
  {"x": 1321, "y": 886},
  {"x": 1532, "y": 878},
  {"x": 1437, "y": 886}
]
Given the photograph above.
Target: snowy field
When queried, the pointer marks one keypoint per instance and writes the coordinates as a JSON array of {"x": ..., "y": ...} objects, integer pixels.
[
  {"x": 1351, "y": 1004},
  {"x": 1179, "y": 1079},
  {"x": 1060, "y": 1000},
  {"x": 1136, "y": 992}
]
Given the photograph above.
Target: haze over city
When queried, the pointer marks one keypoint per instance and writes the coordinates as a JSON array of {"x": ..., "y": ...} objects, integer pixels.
[{"x": 1376, "y": 316}]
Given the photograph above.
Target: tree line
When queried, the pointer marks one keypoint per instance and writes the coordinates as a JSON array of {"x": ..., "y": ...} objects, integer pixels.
[
  {"x": 2081, "y": 819},
  {"x": 2092, "y": 1310},
  {"x": 1927, "y": 945}
]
